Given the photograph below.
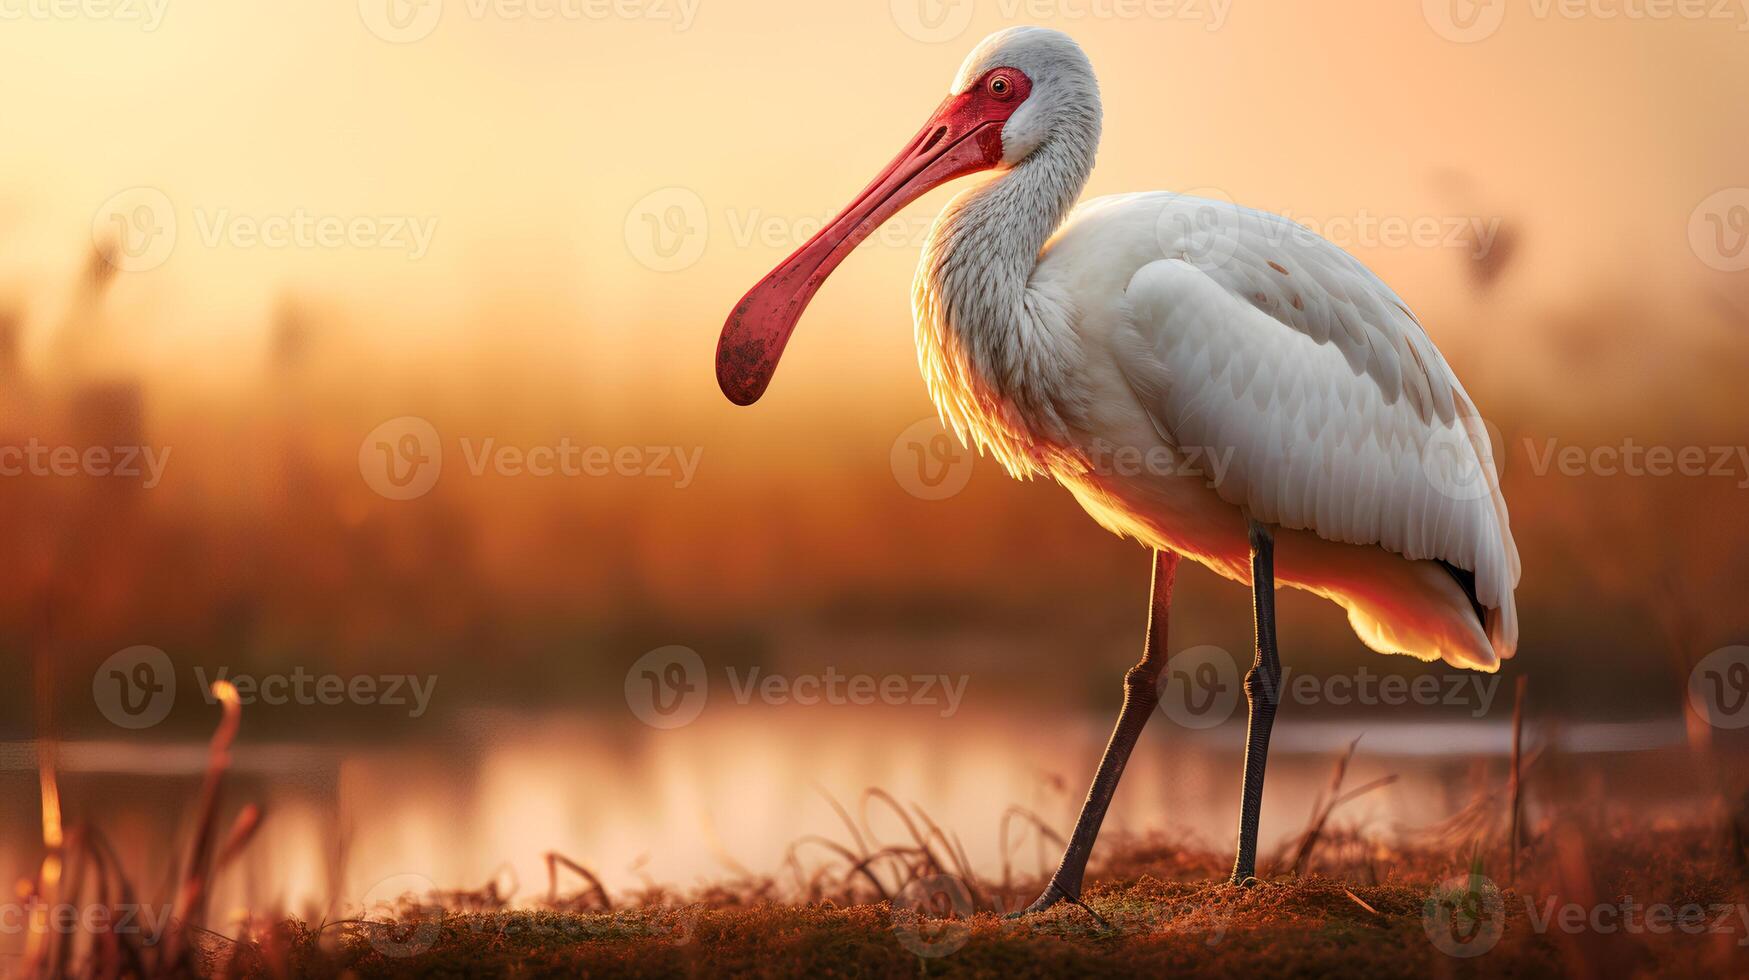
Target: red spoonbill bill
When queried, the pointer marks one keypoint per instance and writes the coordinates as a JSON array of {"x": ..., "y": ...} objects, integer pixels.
[{"x": 1295, "y": 422}]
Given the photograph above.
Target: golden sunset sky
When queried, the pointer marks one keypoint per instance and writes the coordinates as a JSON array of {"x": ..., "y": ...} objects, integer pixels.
[{"x": 525, "y": 136}]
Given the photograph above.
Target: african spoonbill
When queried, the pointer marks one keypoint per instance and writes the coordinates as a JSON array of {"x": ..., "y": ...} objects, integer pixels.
[{"x": 1063, "y": 339}]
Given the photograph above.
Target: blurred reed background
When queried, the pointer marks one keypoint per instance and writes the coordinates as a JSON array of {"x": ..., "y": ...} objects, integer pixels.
[{"x": 599, "y": 191}]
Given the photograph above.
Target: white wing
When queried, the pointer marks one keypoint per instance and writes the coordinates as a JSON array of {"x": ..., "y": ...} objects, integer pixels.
[{"x": 1262, "y": 344}]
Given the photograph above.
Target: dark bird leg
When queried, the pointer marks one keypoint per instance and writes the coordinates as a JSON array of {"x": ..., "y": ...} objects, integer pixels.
[
  {"x": 1140, "y": 695},
  {"x": 1262, "y": 694}
]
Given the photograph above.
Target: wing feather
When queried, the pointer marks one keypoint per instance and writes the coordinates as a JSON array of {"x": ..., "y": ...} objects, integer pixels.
[{"x": 1278, "y": 351}]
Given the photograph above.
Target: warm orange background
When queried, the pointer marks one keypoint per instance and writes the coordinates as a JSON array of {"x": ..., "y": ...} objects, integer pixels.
[{"x": 535, "y": 316}]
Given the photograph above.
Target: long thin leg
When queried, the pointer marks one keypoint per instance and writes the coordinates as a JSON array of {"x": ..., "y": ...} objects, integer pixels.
[
  {"x": 1262, "y": 694},
  {"x": 1140, "y": 695}
]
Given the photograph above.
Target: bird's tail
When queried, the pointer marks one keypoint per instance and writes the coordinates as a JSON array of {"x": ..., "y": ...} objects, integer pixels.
[{"x": 1502, "y": 626}]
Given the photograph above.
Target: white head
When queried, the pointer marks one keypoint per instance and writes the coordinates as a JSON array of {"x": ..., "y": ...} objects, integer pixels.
[
  {"x": 1020, "y": 92},
  {"x": 1064, "y": 96}
]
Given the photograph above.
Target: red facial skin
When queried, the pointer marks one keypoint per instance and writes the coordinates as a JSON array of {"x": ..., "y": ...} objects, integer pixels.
[{"x": 963, "y": 136}]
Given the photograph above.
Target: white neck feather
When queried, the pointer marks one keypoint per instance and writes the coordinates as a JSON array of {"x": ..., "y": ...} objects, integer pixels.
[{"x": 995, "y": 348}]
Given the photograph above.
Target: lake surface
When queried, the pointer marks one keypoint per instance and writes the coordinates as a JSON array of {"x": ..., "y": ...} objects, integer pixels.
[{"x": 734, "y": 789}]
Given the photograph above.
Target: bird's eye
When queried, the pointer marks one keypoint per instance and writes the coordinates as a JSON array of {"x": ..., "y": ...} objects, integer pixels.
[{"x": 1001, "y": 87}]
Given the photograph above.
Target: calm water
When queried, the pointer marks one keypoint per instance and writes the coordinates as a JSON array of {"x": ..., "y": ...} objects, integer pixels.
[{"x": 738, "y": 786}]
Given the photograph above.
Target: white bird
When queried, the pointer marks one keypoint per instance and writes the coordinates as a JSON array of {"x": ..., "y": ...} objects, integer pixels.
[{"x": 1216, "y": 382}]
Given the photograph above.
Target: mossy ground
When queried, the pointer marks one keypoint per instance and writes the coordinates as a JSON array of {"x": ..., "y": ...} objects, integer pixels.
[{"x": 1312, "y": 925}]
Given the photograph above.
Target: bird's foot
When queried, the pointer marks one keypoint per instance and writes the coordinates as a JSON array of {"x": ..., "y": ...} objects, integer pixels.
[
  {"x": 1046, "y": 899},
  {"x": 1053, "y": 894},
  {"x": 1244, "y": 881}
]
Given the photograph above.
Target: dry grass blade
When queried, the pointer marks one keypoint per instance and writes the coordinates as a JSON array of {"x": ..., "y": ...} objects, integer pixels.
[
  {"x": 1360, "y": 791},
  {"x": 554, "y": 860},
  {"x": 961, "y": 865},
  {"x": 708, "y": 832},
  {"x": 1480, "y": 819},
  {"x": 844, "y": 817},
  {"x": 191, "y": 899},
  {"x": 858, "y": 864},
  {"x": 1516, "y": 786},
  {"x": 242, "y": 832},
  {"x": 1044, "y": 830},
  {"x": 897, "y": 856},
  {"x": 1327, "y": 805},
  {"x": 926, "y": 854},
  {"x": 486, "y": 898},
  {"x": 125, "y": 953},
  {"x": 38, "y": 951}
]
